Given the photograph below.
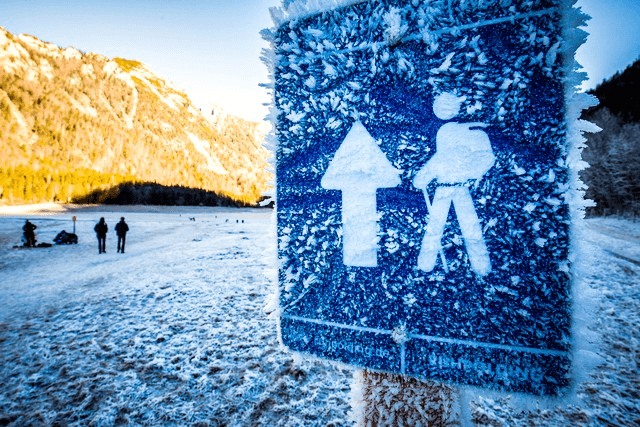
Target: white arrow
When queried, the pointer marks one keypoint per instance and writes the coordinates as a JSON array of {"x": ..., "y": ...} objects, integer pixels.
[{"x": 358, "y": 169}]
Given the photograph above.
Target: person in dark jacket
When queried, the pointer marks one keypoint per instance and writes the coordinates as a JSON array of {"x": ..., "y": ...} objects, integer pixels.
[
  {"x": 121, "y": 231},
  {"x": 29, "y": 229},
  {"x": 101, "y": 230}
]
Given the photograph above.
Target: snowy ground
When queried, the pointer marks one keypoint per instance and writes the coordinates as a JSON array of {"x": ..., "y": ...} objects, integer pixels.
[{"x": 174, "y": 333}]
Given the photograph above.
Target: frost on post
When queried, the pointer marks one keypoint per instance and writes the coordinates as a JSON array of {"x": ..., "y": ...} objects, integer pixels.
[{"x": 423, "y": 185}]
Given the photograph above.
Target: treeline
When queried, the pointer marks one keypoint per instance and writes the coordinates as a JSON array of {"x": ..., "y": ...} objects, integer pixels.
[
  {"x": 132, "y": 193},
  {"x": 620, "y": 94},
  {"x": 22, "y": 184},
  {"x": 613, "y": 177}
]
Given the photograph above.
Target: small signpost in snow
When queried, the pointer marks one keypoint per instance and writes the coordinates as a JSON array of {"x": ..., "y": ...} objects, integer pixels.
[{"x": 424, "y": 182}]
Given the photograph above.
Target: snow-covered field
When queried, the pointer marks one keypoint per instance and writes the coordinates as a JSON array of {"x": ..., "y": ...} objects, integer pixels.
[{"x": 174, "y": 333}]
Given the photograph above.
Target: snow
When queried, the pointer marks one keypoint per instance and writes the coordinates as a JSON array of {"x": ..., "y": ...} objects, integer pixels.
[
  {"x": 297, "y": 9},
  {"x": 204, "y": 148},
  {"x": 19, "y": 118},
  {"x": 83, "y": 106},
  {"x": 40, "y": 46},
  {"x": 46, "y": 69},
  {"x": 10, "y": 52},
  {"x": 174, "y": 333},
  {"x": 143, "y": 73},
  {"x": 111, "y": 68},
  {"x": 87, "y": 70},
  {"x": 71, "y": 53}
]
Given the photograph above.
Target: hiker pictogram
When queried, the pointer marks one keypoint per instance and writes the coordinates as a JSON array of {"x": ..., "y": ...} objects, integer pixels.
[{"x": 463, "y": 156}]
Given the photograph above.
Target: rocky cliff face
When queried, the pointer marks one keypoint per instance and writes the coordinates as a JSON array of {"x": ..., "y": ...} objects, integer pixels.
[{"x": 63, "y": 111}]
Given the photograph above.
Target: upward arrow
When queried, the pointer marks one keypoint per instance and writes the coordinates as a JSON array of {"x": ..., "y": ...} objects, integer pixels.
[{"x": 358, "y": 169}]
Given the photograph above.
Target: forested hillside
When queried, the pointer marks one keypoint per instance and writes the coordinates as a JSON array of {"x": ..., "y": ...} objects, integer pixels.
[
  {"x": 614, "y": 154},
  {"x": 74, "y": 124}
]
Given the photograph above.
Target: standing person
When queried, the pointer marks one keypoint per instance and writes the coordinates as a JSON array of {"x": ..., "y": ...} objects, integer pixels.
[
  {"x": 101, "y": 230},
  {"x": 121, "y": 231},
  {"x": 29, "y": 233}
]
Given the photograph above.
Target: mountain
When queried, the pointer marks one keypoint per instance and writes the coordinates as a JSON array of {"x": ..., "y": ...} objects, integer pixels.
[
  {"x": 613, "y": 154},
  {"x": 75, "y": 123}
]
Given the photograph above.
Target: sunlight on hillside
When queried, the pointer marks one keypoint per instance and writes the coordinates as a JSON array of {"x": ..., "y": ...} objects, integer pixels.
[{"x": 75, "y": 124}]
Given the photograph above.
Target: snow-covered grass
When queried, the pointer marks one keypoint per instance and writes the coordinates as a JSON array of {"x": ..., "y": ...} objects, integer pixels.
[
  {"x": 174, "y": 333},
  {"x": 170, "y": 333}
]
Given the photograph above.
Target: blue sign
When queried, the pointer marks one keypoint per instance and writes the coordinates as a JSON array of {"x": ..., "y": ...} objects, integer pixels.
[{"x": 422, "y": 213}]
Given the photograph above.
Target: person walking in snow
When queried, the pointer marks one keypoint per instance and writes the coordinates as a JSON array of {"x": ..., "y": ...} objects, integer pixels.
[
  {"x": 463, "y": 156},
  {"x": 29, "y": 230},
  {"x": 121, "y": 231},
  {"x": 101, "y": 230}
]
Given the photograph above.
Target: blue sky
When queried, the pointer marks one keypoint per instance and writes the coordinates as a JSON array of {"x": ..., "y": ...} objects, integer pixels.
[
  {"x": 614, "y": 40},
  {"x": 211, "y": 48}
]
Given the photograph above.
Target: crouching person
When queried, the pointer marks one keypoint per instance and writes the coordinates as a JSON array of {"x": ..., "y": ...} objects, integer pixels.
[{"x": 64, "y": 238}]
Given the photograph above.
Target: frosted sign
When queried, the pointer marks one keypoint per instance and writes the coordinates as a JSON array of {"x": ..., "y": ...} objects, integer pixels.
[{"x": 422, "y": 190}]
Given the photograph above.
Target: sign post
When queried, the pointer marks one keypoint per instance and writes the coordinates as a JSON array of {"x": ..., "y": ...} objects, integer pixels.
[
  {"x": 74, "y": 224},
  {"x": 393, "y": 399},
  {"x": 424, "y": 189}
]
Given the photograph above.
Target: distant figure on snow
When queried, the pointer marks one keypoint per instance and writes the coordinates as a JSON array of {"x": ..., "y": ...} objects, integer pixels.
[
  {"x": 121, "y": 231},
  {"x": 29, "y": 233},
  {"x": 101, "y": 230}
]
